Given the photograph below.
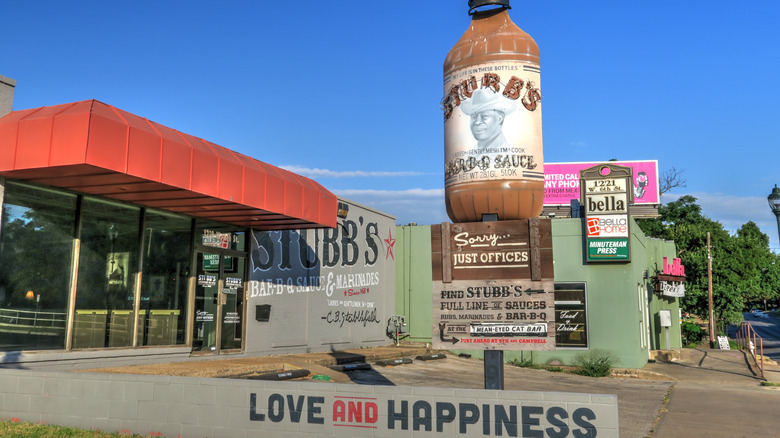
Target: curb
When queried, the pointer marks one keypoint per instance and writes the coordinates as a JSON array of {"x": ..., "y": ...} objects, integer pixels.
[
  {"x": 431, "y": 357},
  {"x": 392, "y": 362},
  {"x": 652, "y": 375},
  {"x": 285, "y": 375},
  {"x": 351, "y": 367}
]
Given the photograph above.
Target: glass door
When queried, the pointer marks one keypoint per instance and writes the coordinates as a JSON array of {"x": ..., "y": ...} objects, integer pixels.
[
  {"x": 219, "y": 302},
  {"x": 207, "y": 285},
  {"x": 231, "y": 327}
]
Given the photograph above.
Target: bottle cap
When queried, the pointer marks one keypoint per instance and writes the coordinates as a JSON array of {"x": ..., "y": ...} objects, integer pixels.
[{"x": 474, "y": 4}]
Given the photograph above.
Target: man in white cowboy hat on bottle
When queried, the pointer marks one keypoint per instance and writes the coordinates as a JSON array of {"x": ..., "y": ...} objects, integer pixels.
[{"x": 488, "y": 110}]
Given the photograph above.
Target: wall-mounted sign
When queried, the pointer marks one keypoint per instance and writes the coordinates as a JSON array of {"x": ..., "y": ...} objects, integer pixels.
[
  {"x": 614, "y": 225},
  {"x": 675, "y": 268},
  {"x": 608, "y": 249},
  {"x": 673, "y": 289},
  {"x": 611, "y": 203},
  {"x": 605, "y": 198},
  {"x": 493, "y": 285},
  {"x": 571, "y": 322},
  {"x": 671, "y": 282}
]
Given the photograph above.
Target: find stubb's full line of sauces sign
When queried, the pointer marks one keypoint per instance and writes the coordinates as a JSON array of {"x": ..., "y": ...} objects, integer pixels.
[{"x": 493, "y": 285}]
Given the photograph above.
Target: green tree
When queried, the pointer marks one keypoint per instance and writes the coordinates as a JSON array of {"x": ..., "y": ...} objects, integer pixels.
[{"x": 744, "y": 269}]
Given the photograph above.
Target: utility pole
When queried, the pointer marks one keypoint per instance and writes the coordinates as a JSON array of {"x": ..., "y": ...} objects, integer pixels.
[{"x": 709, "y": 279}]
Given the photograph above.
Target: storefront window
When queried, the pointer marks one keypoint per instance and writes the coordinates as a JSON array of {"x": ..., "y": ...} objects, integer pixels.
[
  {"x": 571, "y": 322},
  {"x": 166, "y": 255},
  {"x": 36, "y": 250},
  {"x": 108, "y": 265}
]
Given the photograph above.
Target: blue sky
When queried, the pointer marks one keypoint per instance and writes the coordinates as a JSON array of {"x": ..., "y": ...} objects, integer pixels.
[{"x": 348, "y": 92}]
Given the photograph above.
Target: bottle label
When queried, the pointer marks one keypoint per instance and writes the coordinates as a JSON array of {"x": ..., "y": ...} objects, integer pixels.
[{"x": 493, "y": 123}]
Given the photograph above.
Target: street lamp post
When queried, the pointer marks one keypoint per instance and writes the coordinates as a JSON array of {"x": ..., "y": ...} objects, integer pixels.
[{"x": 774, "y": 204}]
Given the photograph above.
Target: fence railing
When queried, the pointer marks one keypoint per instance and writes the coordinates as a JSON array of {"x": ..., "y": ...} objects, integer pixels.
[
  {"x": 32, "y": 322},
  {"x": 749, "y": 340}
]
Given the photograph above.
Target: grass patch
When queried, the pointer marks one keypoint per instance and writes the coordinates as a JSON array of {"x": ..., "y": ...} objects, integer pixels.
[
  {"x": 594, "y": 363},
  {"x": 770, "y": 383},
  {"x": 18, "y": 429},
  {"x": 528, "y": 363}
]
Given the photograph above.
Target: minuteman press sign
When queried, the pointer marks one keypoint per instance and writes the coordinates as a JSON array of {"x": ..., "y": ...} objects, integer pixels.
[
  {"x": 493, "y": 285},
  {"x": 605, "y": 199}
]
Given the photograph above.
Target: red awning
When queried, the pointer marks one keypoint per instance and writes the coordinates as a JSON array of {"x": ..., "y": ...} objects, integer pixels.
[{"x": 94, "y": 148}]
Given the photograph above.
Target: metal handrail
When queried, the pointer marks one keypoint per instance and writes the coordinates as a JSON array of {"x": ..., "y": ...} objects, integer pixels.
[
  {"x": 32, "y": 319},
  {"x": 747, "y": 338}
]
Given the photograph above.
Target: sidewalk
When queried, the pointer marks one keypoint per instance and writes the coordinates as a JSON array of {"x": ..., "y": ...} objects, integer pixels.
[
  {"x": 704, "y": 365},
  {"x": 717, "y": 393}
]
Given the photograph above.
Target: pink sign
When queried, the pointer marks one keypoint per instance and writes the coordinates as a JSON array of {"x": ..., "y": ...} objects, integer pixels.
[
  {"x": 562, "y": 181},
  {"x": 675, "y": 268}
]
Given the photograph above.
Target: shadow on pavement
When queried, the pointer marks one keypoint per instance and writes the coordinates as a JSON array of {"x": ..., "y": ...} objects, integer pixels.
[{"x": 369, "y": 377}]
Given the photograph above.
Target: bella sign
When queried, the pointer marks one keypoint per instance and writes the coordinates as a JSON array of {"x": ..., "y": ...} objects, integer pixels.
[{"x": 675, "y": 268}]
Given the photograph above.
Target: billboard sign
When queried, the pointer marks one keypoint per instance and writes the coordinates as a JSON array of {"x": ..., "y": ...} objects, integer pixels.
[{"x": 562, "y": 181}]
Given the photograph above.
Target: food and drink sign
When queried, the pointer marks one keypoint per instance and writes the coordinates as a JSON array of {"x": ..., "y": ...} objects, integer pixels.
[
  {"x": 493, "y": 285},
  {"x": 605, "y": 198}
]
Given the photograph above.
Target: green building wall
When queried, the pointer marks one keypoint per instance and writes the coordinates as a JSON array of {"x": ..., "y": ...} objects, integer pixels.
[
  {"x": 622, "y": 309},
  {"x": 413, "y": 281}
]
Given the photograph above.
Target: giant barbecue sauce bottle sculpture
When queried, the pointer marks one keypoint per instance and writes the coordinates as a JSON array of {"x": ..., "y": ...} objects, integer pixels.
[{"x": 493, "y": 120}]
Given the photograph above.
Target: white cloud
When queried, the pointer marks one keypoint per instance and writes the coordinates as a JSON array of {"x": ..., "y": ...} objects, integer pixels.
[
  {"x": 326, "y": 173},
  {"x": 394, "y": 194},
  {"x": 421, "y": 206}
]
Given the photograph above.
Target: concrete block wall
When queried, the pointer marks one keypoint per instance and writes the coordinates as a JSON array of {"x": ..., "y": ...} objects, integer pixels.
[{"x": 186, "y": 407}]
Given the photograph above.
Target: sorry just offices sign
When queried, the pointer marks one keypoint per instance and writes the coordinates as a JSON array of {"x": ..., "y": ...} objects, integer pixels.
[{"x": 493, "y": 285}]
